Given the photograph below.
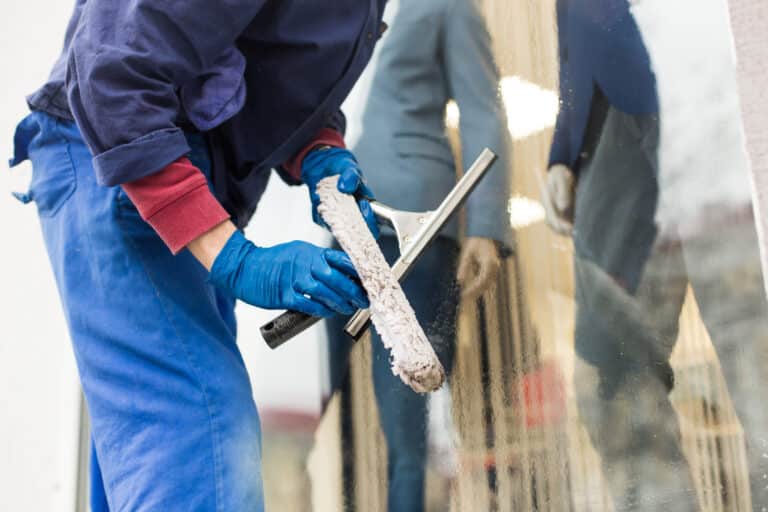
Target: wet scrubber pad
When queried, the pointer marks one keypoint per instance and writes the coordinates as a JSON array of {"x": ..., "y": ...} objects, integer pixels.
[{"x": 413, "y": 358}]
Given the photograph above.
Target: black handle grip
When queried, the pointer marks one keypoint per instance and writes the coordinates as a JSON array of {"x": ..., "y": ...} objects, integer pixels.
[{"x": 286, "y": 326}]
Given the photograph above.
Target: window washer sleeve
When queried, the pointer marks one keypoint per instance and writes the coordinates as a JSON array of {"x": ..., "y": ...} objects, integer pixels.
[
  {"x": 177, "y": 203},
  {"x": 325, "y": 137}
]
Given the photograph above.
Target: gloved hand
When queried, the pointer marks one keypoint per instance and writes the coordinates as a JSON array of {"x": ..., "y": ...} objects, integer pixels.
[
  {"x": 296, "y": 275},
  {"x": 479, "y": 264},
  {"x": 323, "y": 162},
  {"x": 559, "y": 198}
]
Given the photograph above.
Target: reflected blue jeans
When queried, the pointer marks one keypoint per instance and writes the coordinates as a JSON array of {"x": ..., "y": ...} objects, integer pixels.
[
  {"x": 433, "y": 293},
  {"x": 173, "y": 420}
]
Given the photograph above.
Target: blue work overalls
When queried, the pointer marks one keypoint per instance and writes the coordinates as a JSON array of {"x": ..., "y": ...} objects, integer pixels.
[{"x": 173, "y": 418}]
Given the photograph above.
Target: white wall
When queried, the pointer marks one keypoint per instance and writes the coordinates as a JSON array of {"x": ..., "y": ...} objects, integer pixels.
[
  {"x": 749, "y": 19},
  {"x": 38, "y": 382}
]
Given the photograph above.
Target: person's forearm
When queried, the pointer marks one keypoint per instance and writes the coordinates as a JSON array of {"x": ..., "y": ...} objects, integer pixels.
[{"x": 207, "y": 246}]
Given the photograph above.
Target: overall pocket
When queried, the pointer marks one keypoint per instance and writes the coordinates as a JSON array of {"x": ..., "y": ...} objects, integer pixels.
[{"x": 39, "y": 139}]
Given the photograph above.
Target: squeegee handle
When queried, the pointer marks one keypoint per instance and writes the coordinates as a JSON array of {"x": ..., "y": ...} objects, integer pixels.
[{"x": 286, "y": 326}]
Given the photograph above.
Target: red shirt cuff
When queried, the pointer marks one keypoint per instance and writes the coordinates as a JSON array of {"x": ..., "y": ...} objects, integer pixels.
[
  {"x": 326, "y": 137},
  {"x": 177, "y": 203}
]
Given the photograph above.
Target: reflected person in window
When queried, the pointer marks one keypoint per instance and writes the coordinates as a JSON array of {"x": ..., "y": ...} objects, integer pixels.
[
  {"x": 632, "y": 273},
  {"x": 434, "y": 51}
]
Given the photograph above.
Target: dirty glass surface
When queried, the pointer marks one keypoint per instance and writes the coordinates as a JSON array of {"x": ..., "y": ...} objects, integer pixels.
[{"x": 615, "y": 362}]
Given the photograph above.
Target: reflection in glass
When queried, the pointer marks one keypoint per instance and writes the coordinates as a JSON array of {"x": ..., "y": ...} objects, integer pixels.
[
  {"x": 433, "y": 52},
  {"x": 647, "y": 226},
  {"x": 615, "y": 362}
]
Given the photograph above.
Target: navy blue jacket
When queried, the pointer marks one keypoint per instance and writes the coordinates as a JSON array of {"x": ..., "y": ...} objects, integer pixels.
[
  {"x": 259, "y": 77},
  {"x": 600, "y": 47}
]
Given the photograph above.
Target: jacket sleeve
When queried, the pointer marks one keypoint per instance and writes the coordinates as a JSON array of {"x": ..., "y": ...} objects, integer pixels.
[
  {"x": 126, "y": 65},
  {"x": 290, "y": 171},
  {"x": 560, "y": 151},
  {"x": 177, "y": 203},
  {"x": 331, "y": 135},
  {"x": 473, "y": 81}
]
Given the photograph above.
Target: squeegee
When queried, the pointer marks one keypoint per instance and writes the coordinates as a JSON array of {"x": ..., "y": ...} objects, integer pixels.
[{"x": 412, "y": 357}]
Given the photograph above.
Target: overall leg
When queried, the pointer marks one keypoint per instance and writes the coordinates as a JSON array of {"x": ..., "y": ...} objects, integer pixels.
[
  {"x": 432, "y": 292},
  {"x": 98, "y": 497},
  {"x": 173, "y": 420},
  {"x": 629, "y": 297},
  {"x": 725, "y": 271},
  {"x": 339, "y": 349},
  {"x": 624, "y": 403}
]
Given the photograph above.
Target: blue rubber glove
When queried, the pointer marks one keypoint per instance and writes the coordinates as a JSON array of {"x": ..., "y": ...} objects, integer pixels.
[
  {"x": 296, "y": 275},
  {"x": 323, "y": 162}
]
